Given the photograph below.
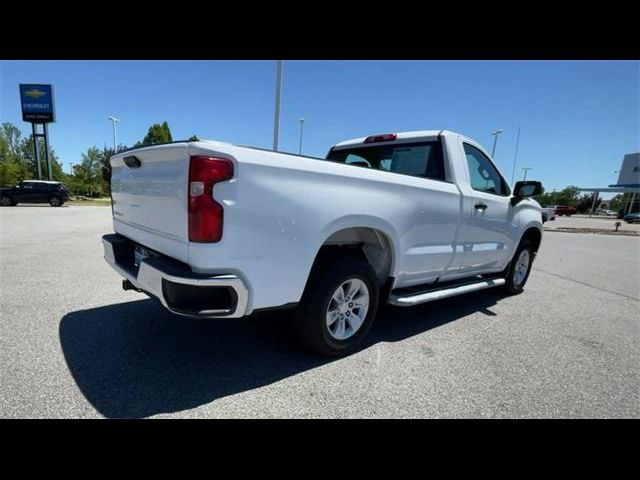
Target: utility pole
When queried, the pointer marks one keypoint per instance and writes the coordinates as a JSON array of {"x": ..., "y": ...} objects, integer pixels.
[
  {"x": 495, "y": 134},
  {"x": 513, "y": 171},
  {"x": 526, "y": 169},
  {"x": 301, "y": 129},
  {"x": 114, "y": 120},
  {"x": 276, "y": 120}
]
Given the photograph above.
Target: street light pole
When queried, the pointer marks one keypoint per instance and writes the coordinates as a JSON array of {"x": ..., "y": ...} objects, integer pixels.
[
  {"x": 495, "y": 134},
  {"x": 513, "y": 170},
  {"x": 526, "y": 169},
  {"x": 301, "y": 129},
  {"x": 114, "y": 120},
  {"x": 276, "y": 120}
]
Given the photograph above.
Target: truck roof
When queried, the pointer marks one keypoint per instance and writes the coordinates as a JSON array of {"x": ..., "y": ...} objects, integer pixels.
[{"x": 414, "y": 135}]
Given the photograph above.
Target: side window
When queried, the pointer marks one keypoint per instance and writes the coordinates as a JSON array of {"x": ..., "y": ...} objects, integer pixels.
[
  {"x": 483, "y": 175},
  {"x": 28, "y": 185},
  {"x": 41, "y": 186}
]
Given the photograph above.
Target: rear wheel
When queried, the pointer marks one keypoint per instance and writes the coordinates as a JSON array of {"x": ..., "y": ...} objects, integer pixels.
[
  {"x": 338, "y": 306},
  {"x": 6, "y": 201},
  {"x": 55, "y": 201},
  {"x": 518, "y": 271}
]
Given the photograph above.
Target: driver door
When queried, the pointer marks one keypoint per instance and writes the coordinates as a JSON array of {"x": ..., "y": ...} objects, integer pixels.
[{"x": 490, "y": 240}]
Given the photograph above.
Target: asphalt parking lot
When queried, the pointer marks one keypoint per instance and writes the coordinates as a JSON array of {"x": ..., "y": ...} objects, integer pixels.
[{"x": 74, "y": 344}]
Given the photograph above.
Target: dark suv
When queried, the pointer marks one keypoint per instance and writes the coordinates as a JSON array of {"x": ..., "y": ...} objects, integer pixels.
[{"x": 35, "y": 191}]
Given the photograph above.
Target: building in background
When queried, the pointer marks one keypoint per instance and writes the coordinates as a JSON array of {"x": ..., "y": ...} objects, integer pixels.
[
  {"x": 628, "y": 184},
  {"x": 629, "y": 175}
]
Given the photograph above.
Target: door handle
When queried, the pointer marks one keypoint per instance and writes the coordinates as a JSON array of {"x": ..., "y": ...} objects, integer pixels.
[{"x": 480, "y": 206}]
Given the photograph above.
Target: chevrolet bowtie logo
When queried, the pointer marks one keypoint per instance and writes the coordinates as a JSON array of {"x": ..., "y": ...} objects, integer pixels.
[{"x": 34, "y": 93}]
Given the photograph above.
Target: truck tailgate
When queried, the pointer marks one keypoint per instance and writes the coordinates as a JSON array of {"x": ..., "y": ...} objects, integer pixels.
[{"x": 149, "y": 192}]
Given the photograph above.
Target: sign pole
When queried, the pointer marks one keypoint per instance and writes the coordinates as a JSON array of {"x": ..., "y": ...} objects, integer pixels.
[
  {"x": 35, "y": 150},
  {"x": 46, "y": 151}
]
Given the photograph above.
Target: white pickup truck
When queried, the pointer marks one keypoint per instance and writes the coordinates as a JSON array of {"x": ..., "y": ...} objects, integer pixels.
[
  {"x": 548, "y": 214},
  {"x": 219, "y": 230}
]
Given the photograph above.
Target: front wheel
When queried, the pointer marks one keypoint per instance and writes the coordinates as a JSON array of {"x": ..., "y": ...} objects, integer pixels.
[
  {"x": 518, "y": 271},
  {"x": 338, "y": 306},
  {"x": 55, "y": 201}
]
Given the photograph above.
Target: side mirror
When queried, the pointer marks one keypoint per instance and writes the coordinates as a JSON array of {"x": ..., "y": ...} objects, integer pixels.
[{"x": 529, "y": 188}]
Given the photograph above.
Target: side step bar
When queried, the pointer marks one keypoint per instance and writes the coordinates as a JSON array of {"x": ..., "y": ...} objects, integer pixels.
[{"x": 415, "y": 298}]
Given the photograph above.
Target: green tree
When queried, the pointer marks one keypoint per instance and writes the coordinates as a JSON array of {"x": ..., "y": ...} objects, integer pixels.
[
  {"x": 158, "y": 133},
  {"x": 9, "y": 141},
  {"x": 616, "y": 202},
  {"x": 193, "y": 138},
  {"x": 567, "y": 196},
  {"x": 25, "y": 149},
  {"x": 87, "y": 175},
  {"x": 12, "y": 170},
  {"x": 17, "y": 161},
  {"x": 585, "y": 202},
  {"x": 107, "y": 153}
]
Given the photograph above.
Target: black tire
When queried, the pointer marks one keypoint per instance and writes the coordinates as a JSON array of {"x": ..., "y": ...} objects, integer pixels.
[
  {"x": 515, "y": 283},
  {"x": 55, "y": 201},
  {"x": 6, "y": 201},
  {"x": 310, "y": 317}
]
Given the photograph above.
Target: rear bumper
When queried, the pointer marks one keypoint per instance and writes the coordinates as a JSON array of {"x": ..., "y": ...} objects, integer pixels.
[{"x": 172, "y": 282}]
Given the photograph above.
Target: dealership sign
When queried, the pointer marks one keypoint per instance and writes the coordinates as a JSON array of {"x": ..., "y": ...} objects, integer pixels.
[{"x": 37, "y": 103}]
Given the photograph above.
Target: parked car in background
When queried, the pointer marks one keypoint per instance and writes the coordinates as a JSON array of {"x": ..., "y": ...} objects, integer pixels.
[
  {"x": 632, "y": 218},
  {"x": 564, "y": 210},
  {"x": 35, "y": 191},
  {"x": 548, "y": 214},
  {"x": 626, "y": 211}
]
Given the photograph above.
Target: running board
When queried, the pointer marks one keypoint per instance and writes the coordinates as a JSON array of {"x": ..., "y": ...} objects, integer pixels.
[{"x": 408, "y": 300}]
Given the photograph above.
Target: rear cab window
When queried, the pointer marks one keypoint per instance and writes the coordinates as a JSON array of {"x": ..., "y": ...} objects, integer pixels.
[{"x": 419, "y": 159}]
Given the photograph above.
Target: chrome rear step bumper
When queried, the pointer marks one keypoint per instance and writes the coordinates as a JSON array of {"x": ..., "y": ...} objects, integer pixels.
[
  {"x": 180, "y": 290},
  {"x": 434, "y": 293}
]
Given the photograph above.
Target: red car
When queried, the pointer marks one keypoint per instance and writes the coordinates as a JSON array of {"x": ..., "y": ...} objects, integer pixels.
[{"x": 564, "y": 210}]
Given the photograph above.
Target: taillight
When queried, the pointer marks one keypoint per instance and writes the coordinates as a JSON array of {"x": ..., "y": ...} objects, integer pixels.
[
  {"x": 205, "y": 214},
  {"x": 387, "y": 137}
]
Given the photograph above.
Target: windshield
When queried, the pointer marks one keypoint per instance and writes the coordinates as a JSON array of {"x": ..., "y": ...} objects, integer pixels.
[{"x": 423, "y": 159}]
